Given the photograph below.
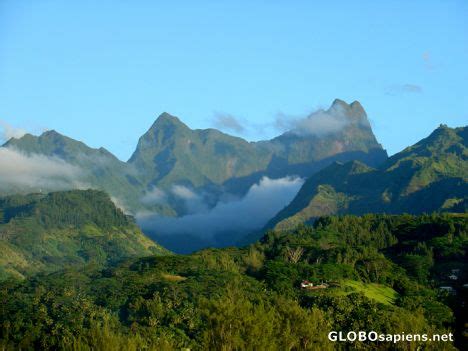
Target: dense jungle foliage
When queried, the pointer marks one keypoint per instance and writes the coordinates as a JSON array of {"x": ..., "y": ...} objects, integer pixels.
[
  {"x": 46, "y": 232},
  {"x": 382, "y": 273}
]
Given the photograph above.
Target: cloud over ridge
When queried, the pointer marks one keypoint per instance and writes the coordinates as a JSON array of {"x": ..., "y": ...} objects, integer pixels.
[
  {"x": 32, "y": 172},
  {"x": 318, "y": 123},
  {"x": 7, "y": 131}
]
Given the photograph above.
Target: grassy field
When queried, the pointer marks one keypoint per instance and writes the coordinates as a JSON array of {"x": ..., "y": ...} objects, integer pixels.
[
  {"x": 377, "y": 292},
  {"x": 172, "y": 277}
]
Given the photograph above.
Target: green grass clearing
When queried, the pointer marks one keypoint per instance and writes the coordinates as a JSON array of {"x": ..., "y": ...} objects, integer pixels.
[
  {"x": 173, "y": 277},
  {"x": 377, "y": 292}
]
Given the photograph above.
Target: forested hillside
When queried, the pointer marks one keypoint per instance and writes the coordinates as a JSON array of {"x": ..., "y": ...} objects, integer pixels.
[
  {"x": 431, "y": 175},
  {"x": 41, "y": 232},
  {"x": 376, "y": 272}
]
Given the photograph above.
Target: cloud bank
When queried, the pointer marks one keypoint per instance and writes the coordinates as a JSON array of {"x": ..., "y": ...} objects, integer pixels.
[
  {"x": 192, "y": 202},
  {"x": 33, "y": 172},
  {"x": 249, "y": 213}
]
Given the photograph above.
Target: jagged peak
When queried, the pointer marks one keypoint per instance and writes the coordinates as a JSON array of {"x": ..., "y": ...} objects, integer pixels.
[
  {"x": 168, "y": 119},
  {"x": 441, "y": 130},
  {"x": 354, "y": 111},
  {"x": 46, "y": 134},
  {"x": 28, "y": 137},
  {"x": 51, "y": 133},
  {"x": 357, "y": 107},
  {"x": 13, "y": 139},
  {"x": 339, "y": 102},
  {"x": 167, "y": 115},
  {"x": 106, "y": 152},
  {"x": 162, "y": 129}
]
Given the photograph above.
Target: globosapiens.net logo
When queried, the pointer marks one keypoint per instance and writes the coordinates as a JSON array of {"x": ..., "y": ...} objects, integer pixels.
[{"x": 373, "y": 336}]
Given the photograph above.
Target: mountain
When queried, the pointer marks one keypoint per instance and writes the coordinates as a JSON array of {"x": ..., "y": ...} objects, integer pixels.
[
  {"x": 172, "y": 153},
  {"x": 341, "y": 133},
  {"x": 429, "y": 176},
  {"x": 207, "y": 161},
  {"x": 98, "y": 168},
  {"x": 47, "y": 232}
]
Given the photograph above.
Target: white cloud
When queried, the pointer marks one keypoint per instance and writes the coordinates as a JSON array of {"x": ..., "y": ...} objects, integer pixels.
[
  {"x": 154, "y": 197},
  {"x": 193, "y": 202},
  {"x": 318, "y": 123},
  {"x": 33, "y": 172},
  {"x": 226, "y": 121},
  {"x": 183, "y": 192},
  {"x": 7, "y": 131},
  {"x": 251, "y": 212}
]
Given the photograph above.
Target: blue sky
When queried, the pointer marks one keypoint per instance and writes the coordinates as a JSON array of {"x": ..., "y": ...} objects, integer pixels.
[{"x": 102, "y": 71}]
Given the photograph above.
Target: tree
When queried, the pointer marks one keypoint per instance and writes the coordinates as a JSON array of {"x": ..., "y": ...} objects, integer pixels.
[{"x": 294, "y": 255}]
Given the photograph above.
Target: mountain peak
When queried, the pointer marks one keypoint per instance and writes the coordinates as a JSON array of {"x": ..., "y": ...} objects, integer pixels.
[
  {"x": 51, "y": 133},
  {"x": 339, "y": 102},
  {"x": 164, "y": 129},
  {"x": 166, "y": 123},
  {"x": 28, "y": 138},
  {"x": 354, "y": 112},
  {"x": 167, "y": 115},
  {"x": 356, "y": 106},
  {"x": 167, "y": 119}
]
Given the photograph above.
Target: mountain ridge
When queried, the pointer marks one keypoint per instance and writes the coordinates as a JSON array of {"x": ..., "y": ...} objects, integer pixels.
[
  {"x": 430, "y": 175},
  {"x": 209, "y": 161}
]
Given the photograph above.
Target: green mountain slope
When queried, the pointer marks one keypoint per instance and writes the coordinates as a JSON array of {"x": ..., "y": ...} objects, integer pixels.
[
  {"x": 48, "y": 232},
  {"x": 170, "y": 152},
  {"x": 428, "y": 176}
]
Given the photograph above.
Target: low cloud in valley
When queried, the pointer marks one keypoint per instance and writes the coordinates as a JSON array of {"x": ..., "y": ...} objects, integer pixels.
[
  {"x": 154, "y": 197},
  {"x": 251, "y": 212}
]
